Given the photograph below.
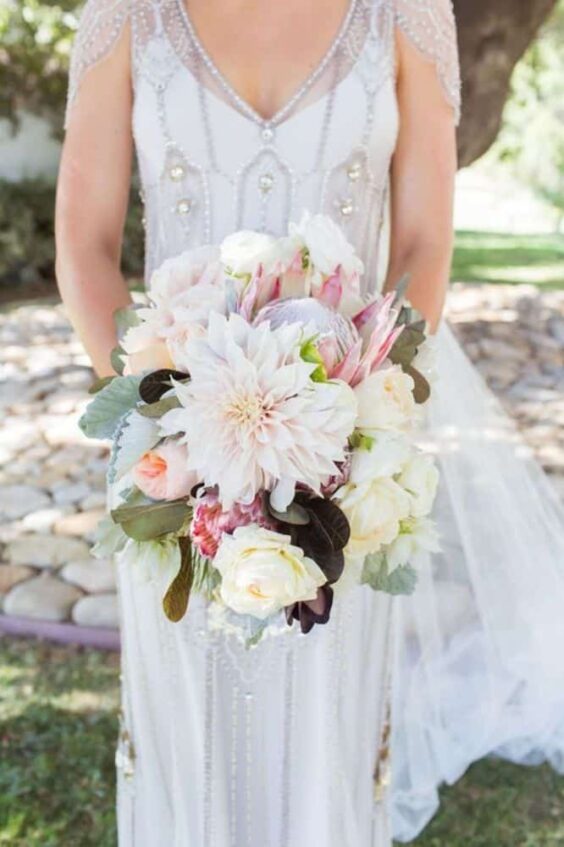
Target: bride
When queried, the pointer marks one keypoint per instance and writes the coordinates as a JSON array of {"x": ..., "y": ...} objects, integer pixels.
[{"x": 242, "y": 114}]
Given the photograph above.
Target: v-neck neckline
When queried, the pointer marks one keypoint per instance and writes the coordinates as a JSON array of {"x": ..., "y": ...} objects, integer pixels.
[{"x": 239, "y": 101}]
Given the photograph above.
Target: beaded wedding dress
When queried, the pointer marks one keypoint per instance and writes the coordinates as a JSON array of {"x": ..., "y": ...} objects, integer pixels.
[{"x": 290, "y": 743}]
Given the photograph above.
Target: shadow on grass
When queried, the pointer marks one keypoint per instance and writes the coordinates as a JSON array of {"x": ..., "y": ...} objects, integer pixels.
[
  {"x": 506, "y": 258},
  {"x": 57, "y": 779}
]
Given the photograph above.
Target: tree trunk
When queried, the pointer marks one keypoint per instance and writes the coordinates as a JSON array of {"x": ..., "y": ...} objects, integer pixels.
[{"x": 493, "y": 35}]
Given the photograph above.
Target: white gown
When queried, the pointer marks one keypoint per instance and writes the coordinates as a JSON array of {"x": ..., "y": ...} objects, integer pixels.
[{"x": 222, "y": 747}]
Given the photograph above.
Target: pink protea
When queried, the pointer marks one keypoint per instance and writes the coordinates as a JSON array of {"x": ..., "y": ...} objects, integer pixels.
[
  {"x": 210, "y": 521},
  {"x": 377, "y": 325}
]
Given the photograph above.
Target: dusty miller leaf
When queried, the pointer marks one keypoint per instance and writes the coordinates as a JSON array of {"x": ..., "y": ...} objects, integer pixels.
[
  {"x": 376, "y": 574},
  {"x": 110, "y": 404}
]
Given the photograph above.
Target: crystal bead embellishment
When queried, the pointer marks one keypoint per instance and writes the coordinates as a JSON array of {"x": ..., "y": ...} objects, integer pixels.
[
  {"x": 346, "y": 207},
  {"x": 266, "y": 182},
  {"x": 354, "y": 171},
  {"x": 184, "y": 206},
  {"x": 176, "y": 172},
  {"x": 267, "y": 135}
]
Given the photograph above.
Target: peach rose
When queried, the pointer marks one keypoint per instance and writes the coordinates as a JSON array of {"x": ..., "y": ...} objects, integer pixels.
[{"x": 162, "y": 474}]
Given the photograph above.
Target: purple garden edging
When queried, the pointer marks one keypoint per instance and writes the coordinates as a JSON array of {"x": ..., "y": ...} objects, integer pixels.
[{"x": 63, "y": 633}]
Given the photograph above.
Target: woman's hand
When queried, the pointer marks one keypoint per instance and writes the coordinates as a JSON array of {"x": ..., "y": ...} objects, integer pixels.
[
  {"x": 92, "y": 197},
  {"x": 422, "y": 184}
]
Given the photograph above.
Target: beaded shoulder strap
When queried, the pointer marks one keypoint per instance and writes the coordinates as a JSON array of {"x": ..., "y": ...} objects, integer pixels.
[
  {"x": 100, "y": 26},
  {"x": 431, "y": 26}
]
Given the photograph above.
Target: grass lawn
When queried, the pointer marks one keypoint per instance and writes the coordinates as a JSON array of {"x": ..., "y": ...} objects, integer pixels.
[
  {"x": 496, "y": 257},
  {"x": 57, "y": 731}
]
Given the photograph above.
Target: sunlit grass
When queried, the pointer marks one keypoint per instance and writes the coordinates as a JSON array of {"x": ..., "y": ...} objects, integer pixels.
[
  {"x": 58, "y": 725},
  {"x": 499, "y": 257}
]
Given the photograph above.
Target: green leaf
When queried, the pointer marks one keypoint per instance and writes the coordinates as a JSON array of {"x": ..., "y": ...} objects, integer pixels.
[
  {"x": 358, "y": 441},
  {"x": 134, "y": 437},
  {"x": 152, "y": 519},
  {"x": 116, "y": 361},
  {"x": 126, "y": 318},
  {"x": 295, "y": 514},
  {"x": 257, "y": 635},
  {"x": 161, "y": 407},
  {"x": 406, "y": 345},
  {"x": 421, "y": 389},
  {"x": 401, "y": 289},
  {"x": 98, "y": 384},
  {"x": 310, "y": 353},
  {"x": 402, "y": 580},
  {"x": 109, "y": 539},
  {"x": 108, "y": 407},
  {"x": 175, "y": 601}
]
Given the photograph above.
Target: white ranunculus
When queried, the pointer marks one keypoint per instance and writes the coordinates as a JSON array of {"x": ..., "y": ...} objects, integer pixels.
[
  {"x": 327, "y": 245},
  {"x": 172, "y": 281},
  {"x": 374, "y": 510},
  {"x": 418, "y": 535},
  {"x": 385, "y": 400},
  {"x": 156, "y": 561},
  {"x": 262, "y": 572},
  {"x": 420, "y": 479},
  {"x": 243, "y": 251}
]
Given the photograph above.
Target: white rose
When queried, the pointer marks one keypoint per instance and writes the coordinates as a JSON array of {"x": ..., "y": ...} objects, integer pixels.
[
  {"x": 385, "y": 400},
  {"x": 176, "y": 276},
  {"x": 262, "y": 572},
  {"x": 327, "y": 245},
  {"x": 374, "y": 510},
  {"x": 417, "y": 535},
  {"x": 243, "y": 251},
  {"x": 420, "y": 479},
  {"x": 386, "y": 457}
]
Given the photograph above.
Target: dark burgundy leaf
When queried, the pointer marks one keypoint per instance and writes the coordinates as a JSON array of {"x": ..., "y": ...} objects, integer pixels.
[
  {"x": 154, "y": 385},
  {"x": 328, "y": 530},
  {"x": 312, "y": 612}
]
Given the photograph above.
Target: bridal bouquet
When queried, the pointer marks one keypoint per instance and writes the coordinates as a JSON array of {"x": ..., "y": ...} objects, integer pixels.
[{"x": 262, "y": 431}]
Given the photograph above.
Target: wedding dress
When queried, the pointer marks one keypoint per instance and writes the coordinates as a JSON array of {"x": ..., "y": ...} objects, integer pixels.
[{"x": 290, "y": 743}]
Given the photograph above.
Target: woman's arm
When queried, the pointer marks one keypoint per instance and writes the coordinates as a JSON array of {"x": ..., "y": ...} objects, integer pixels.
[
  {"x": 92, "y": 197},
  {"x": 422, "y": 184}
]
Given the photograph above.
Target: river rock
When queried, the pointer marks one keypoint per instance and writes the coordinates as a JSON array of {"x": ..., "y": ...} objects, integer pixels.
[
  {"x": 44, "y": 597},
  {"x": 99, "y": 610},
  {"x": 11, "y": 575},
  {"x": 46, "y": 551},
  {"x": 81, "y": 524},
  {"x": 92, "y": 575},
  {"x": 16, "y": 501}
]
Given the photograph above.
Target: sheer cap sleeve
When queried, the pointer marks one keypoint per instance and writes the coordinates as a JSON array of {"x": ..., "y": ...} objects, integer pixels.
[
  {"x": 100, "y": 26},
  {"x": 431, "y": 26}
]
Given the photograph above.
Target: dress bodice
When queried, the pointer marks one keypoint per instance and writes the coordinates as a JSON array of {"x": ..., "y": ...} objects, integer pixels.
[{"x": 210, "y": 165}]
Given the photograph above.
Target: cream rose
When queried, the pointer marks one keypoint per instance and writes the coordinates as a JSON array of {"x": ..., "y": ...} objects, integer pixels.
[
  {"x": 374, "y": 510},
  {"x": 417, "y": 535},
  {"x": 420, "y": 479},
  {"x": 385, "y": 400},
  {"x": 387, "y": 456},
  {"x": 262, "y": 572}
]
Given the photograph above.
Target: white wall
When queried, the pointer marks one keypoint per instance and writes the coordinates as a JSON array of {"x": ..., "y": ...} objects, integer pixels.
[{"x": 32, "y": 152}]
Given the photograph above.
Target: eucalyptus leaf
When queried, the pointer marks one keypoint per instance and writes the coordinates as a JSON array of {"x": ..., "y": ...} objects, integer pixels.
[
  {"x": 151, "y": 520},
  {"x": 110, "y": 404},
  {"x": 175, "y": 601},
  {"x": 109, "y": 539},
  {"x": 126, "y": 318},
  {"x": 406, "y": 345},
  {"x": 376, "y": 574},
  {"x": 401, "y": 289},
  {"x": 257, "y": 635},
  {"x": 421, "y": 389},
  {"x": 116, "y": 360},
  {"x": 160, "y": 408},
  {"x": 135, "y": 436},
  {"x": 98, "y": 384}
]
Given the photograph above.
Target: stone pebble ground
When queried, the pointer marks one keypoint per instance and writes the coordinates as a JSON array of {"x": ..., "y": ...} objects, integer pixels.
[{"x": 52, "y": 478}]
